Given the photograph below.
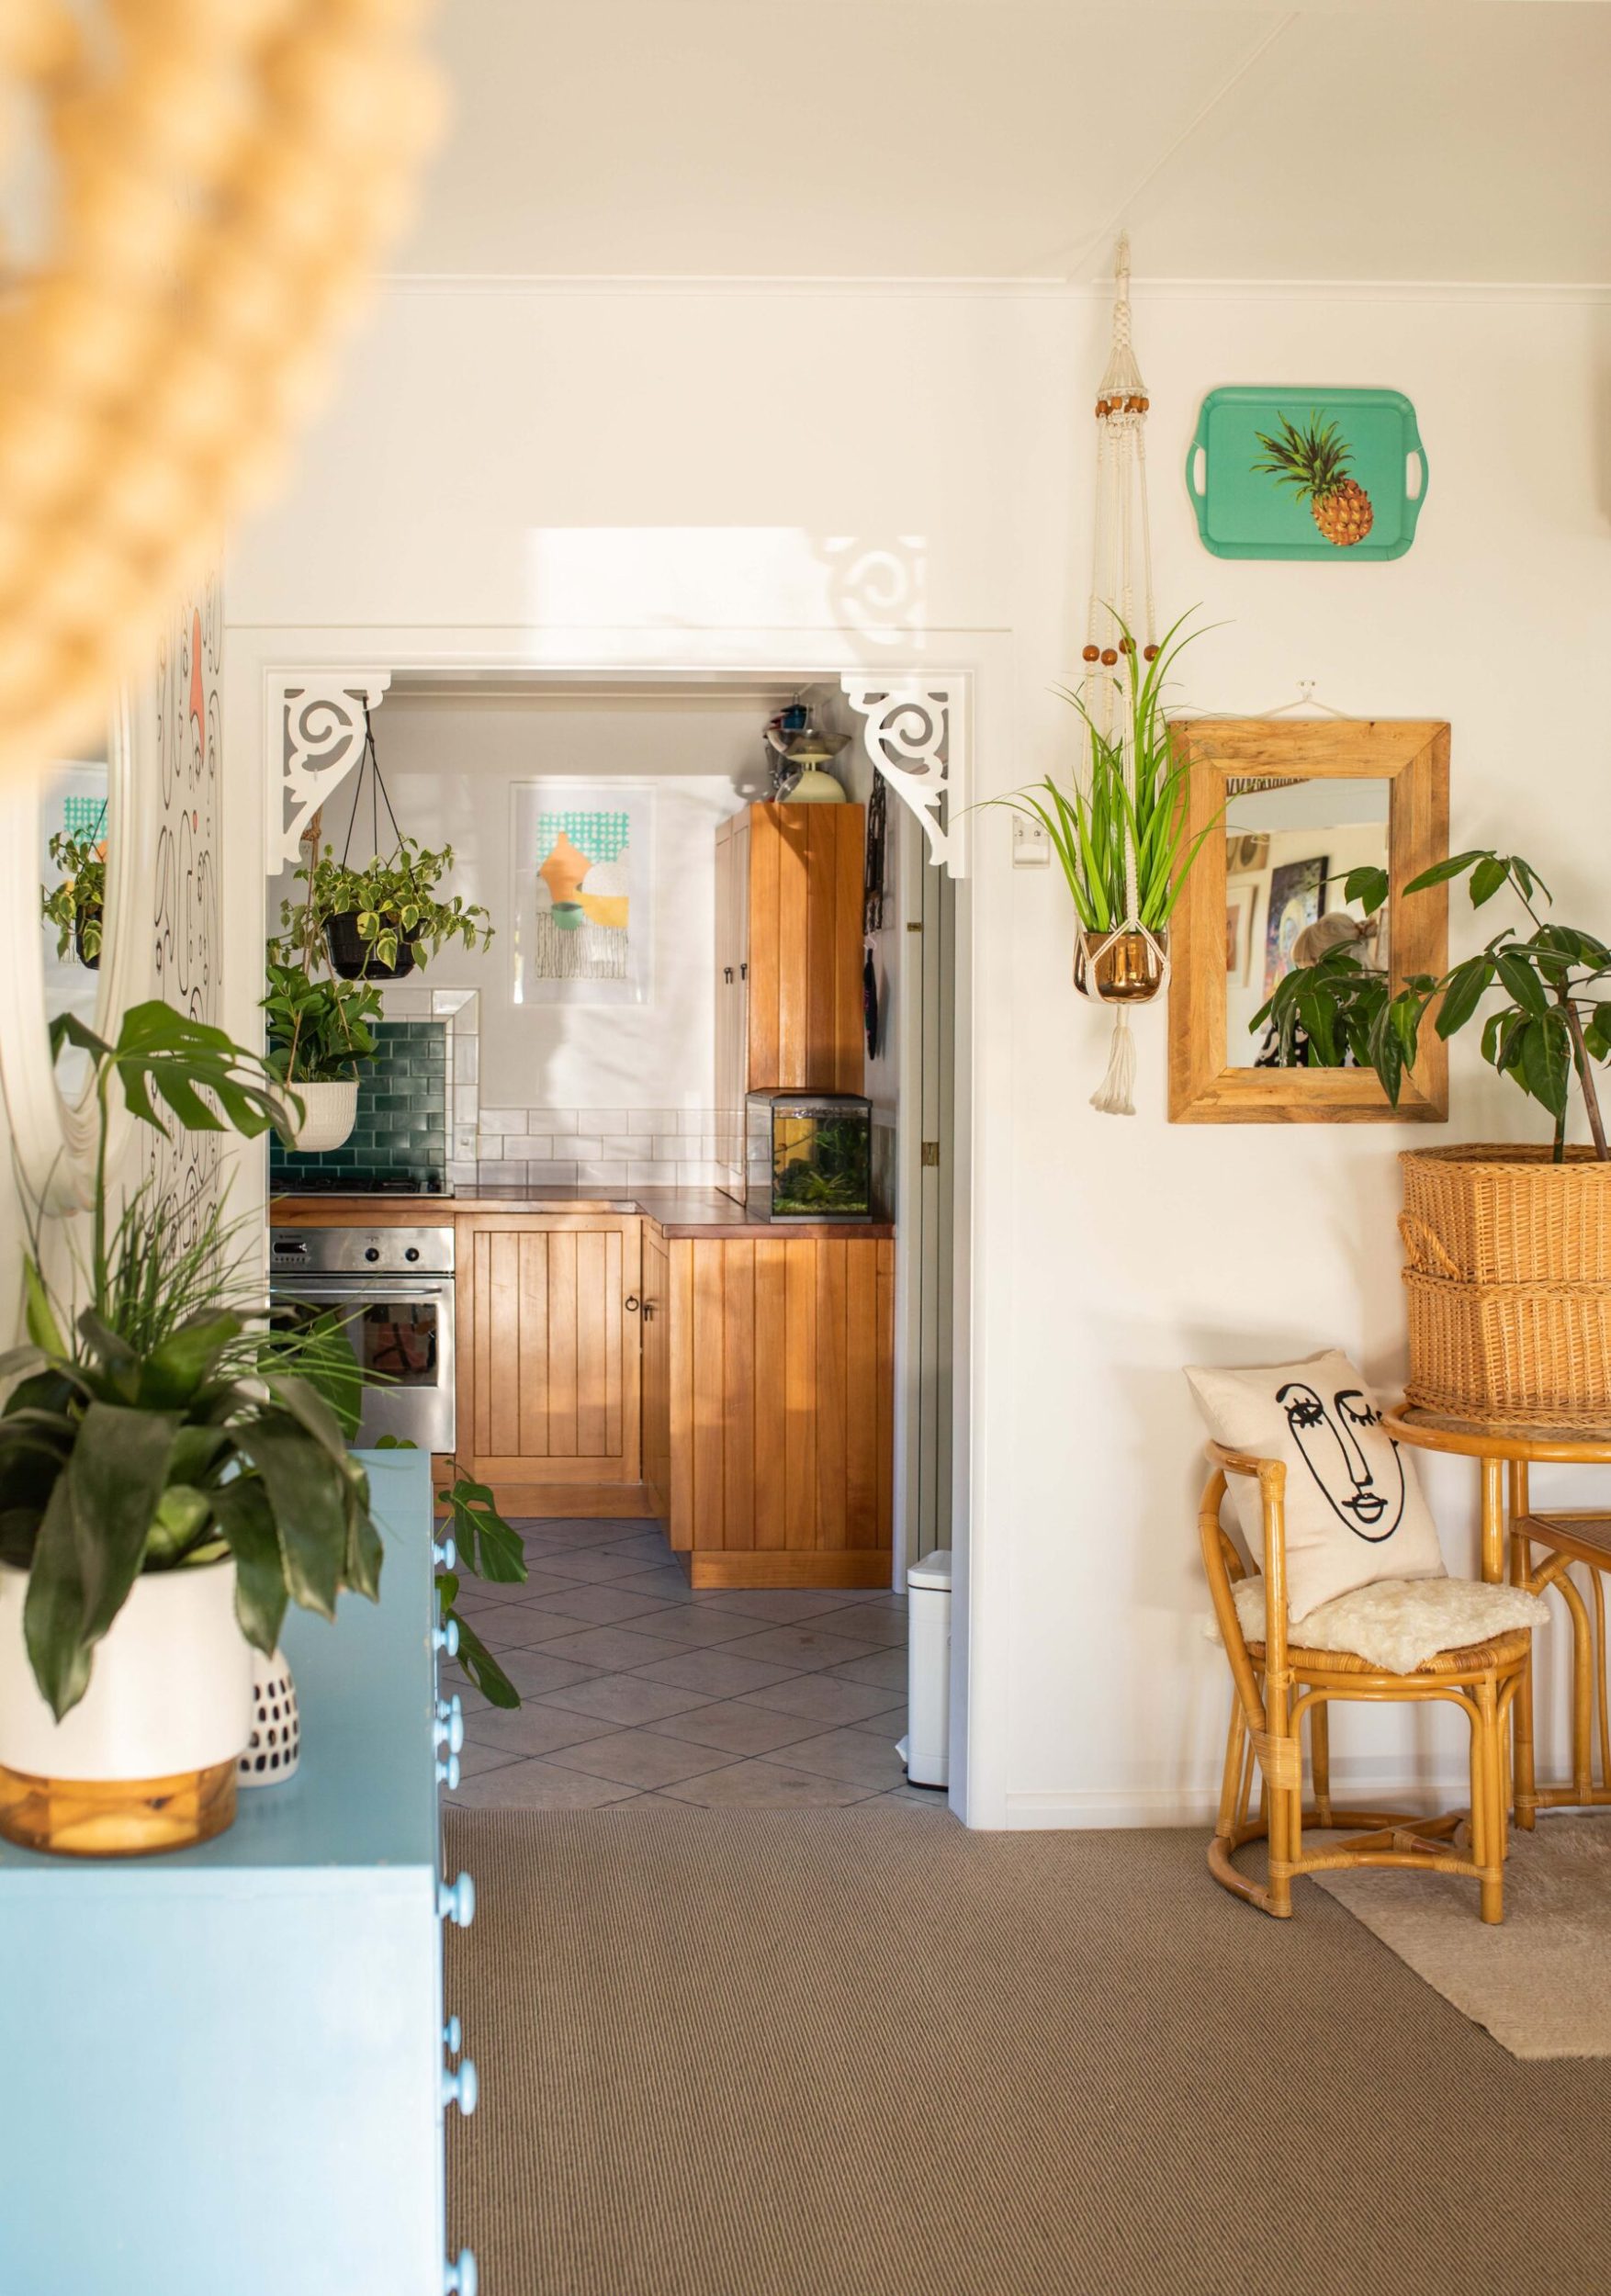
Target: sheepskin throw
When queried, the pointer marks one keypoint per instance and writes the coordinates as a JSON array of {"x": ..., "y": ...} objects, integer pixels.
[
  {"x": 1354, "y": 1509},
  {"x": 1399, "y": 1624}
]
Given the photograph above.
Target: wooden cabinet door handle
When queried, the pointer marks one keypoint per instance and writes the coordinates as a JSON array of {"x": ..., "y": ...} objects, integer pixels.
[
  {"x": 630, "y": 1303},
  {"x": 647, "y": 1310},
  {"x": 727, "y": 975}
]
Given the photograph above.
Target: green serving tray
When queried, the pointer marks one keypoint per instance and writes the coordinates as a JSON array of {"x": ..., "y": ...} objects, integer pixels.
[{"x": 1245, "y": 514}]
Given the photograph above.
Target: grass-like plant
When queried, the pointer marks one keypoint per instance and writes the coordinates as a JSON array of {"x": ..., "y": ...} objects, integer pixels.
[
  {"x": 1550, "y": 1028},
  {"x": 1107, "y": 816}
]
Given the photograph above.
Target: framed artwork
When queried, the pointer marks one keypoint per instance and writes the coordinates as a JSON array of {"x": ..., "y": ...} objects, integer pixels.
[
  {"x": 1247, "y": 853},
  {"x": 1297, "y": 892},
  {"x": 582, "y": 899},
  {"x": 1241, "y": 910}
]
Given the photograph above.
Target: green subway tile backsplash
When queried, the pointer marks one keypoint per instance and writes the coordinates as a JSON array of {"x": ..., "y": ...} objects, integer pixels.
[{"x": 402, "y": 1110}]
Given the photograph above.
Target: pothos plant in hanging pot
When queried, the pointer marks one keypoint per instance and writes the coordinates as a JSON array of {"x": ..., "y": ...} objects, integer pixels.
[
  {"x": 172, "y": 1479},
  {"x": 378, "y": 921},
  {"x": 76, "y": 904}
]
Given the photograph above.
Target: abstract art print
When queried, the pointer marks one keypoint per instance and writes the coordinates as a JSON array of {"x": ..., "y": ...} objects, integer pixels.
[
  {"x": 1297, "y": 894},
  {"x": 581, "y": 906}
]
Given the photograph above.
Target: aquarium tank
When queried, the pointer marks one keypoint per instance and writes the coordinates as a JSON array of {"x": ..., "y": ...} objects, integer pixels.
[{"x": 809, "y": 1155}]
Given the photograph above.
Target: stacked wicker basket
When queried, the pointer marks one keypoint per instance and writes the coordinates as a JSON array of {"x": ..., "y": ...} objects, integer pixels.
[{"x": 1508, "y": 1284}]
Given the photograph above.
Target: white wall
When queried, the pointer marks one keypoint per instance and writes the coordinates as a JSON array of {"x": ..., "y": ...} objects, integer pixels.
[{"x": 504, "y": 459}]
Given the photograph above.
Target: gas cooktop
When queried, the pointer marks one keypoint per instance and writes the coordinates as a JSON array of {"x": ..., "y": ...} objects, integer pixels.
[{"x": 328, "y": 1182}]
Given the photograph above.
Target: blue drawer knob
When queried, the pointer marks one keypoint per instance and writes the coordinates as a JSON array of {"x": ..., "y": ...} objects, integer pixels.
[
  {"x": 447, "y": 1707},
  {"x": 455, "y": 1901},
  {"x": 446, "y": 1555},
  {"x": 446, "y": 1638},
  {"x": 447, "y": 1773},
  {"x": 460, "y": 2086},
  {"x": 459, "y": 2278},
  {"x": 449, "y": 1728},
  {"x": 452, "y": 2035}
]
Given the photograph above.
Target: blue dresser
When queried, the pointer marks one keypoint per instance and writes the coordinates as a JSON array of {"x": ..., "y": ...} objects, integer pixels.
[{"x": 226, "y": 2068}]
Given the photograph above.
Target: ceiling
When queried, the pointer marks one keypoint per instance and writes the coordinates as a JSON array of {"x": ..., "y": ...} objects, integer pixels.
[{"x": 1008, "y": 139}]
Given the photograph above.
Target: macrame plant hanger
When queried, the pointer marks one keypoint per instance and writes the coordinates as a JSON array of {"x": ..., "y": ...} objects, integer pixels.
[{"x": 1129, "y": 964}]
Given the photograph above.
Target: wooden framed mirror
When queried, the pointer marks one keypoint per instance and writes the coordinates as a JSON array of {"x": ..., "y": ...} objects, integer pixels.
[{"x": 1289, "y": 810}]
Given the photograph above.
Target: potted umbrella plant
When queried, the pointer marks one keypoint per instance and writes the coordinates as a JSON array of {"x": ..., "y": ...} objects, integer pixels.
[
  {"x": 320, "y": 1033},
  {"x": 1509, "y": 1247},
  {"x": 172, "y": 1478}
]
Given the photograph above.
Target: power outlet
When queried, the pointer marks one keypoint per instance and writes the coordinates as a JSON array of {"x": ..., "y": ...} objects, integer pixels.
[{"x": 1031, "y": 848}]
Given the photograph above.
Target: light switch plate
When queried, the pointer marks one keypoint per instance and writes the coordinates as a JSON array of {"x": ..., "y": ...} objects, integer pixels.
[{"x": 1031, "y": 848}]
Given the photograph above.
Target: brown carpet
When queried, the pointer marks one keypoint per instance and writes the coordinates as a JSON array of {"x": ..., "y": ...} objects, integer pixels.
[
  {"x": 862, "y": 2053},
  {"x": 1540, "y": 1981}
]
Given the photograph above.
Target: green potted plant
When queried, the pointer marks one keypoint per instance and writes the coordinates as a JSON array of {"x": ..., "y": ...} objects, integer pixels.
[
  {"x": 1119, "y": 833},
  {"x": 76, "y": 904},
  {"x": 1509, "y": 1273},
  {"x": 172, "y": 1478},
  {"x": 320, "y": 1033},
  {"x": 378, "y": 921}
]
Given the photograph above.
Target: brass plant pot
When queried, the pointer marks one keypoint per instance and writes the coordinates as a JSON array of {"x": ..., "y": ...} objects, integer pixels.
[{"x": 1129, "y": 971}]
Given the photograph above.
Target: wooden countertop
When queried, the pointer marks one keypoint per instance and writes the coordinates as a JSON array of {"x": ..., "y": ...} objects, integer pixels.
[{"x": 677, "y": 1213}]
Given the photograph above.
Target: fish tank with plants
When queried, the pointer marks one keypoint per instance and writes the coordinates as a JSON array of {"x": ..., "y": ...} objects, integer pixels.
[{"x": 808, "y": 1155}]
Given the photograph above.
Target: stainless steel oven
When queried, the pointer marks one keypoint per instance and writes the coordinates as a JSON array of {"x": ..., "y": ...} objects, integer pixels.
[{"x": 394, "y": 1288}]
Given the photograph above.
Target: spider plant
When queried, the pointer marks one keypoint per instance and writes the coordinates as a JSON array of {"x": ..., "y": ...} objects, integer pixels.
[{"x": 1109, "y": 814}]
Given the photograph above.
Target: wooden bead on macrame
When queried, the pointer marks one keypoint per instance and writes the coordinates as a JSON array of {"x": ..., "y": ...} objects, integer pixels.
[
  {"x": 1108, "y": 655},
  {"x": 1149, "y": 653},
  {"x": 1127, "y": 645},
  {"x": 1091, "y": 653}
]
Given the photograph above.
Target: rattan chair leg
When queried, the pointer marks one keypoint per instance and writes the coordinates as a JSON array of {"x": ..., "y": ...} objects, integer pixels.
[
  {"x": 1526, "y": 1777},
  {"x": 1320, "y": 1760},
  {"x": 1487, "y": 1809}
]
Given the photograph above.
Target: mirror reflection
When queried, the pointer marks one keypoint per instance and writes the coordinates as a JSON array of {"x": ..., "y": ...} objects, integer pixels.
[
  {"x": 1288, "y": 848},
  {"x": 74, "y": 795}
]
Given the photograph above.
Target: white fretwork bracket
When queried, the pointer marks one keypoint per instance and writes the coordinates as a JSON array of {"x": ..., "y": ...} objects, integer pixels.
[
  {"x": 315, "y": 738},
  {"x": 915, "y": 733}
]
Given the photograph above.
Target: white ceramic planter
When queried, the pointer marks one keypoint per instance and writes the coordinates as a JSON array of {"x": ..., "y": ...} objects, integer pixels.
[
  {"x": 329, "y": 1113},
  {"x": 170, "y": 1691},
  {"x": 275, "y": 1746}
]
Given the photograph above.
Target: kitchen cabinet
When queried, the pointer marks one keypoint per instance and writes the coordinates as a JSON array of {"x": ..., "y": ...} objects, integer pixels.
[
  {"x": 788, "y": 957},
  {"x": 550, "y": 1360},
  {"x": 655, "y": 1316},
  {"x": 778, "y": 1409}
]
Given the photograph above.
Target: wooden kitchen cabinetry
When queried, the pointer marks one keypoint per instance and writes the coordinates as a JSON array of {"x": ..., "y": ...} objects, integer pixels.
[
  {"x": 549, "y": 1359},
  {"x": 774, "y": 1416},
  {"x": 788, "y": 957}
]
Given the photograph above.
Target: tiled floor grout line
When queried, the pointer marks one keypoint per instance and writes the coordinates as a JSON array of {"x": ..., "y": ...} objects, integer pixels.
[{"x": 602, "y": 1648}]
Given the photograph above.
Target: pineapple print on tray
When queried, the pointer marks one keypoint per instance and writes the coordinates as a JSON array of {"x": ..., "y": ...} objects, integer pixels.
[
  {"x": 581, "y": 893},
  {"x": 1282, "y": 473}
]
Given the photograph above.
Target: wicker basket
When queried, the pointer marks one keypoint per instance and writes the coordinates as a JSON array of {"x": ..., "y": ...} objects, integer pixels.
[{"x": 1508, "y": 1286}]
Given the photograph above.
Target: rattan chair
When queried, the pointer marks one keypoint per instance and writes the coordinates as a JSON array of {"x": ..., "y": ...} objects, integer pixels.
[{"x": 1277, "y": 1684}]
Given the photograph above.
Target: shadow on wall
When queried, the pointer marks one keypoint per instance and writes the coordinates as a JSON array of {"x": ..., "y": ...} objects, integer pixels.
[{"x": 717, "y": 577}]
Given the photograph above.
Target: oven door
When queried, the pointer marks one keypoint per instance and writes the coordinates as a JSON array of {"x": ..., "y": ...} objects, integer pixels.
[{"x": 400, "y": 1329}]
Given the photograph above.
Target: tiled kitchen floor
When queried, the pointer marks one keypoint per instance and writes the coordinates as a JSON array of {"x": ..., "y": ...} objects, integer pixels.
[{"x": 633, "y": 1685}]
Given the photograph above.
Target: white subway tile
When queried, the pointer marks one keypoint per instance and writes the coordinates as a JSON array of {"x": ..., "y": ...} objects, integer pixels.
[
  {"x": 551, "y": 1120},
  {"x": 656, "y": 1175},
  {"x": 464, "y": 1140},
  {"x": 670, "y": 1147},
  {"x": 462, "y": 1173},
  {"x": 694, "y": 1120},
  {"x": 467, "y": 1104},
  {"x": 623, "y": 1145},
  {"x": 652, "y": 1119},
  {"x": 512, "y": 1120},
  {"x": 600, "y": 1120},
  {"x": 538, "y": 1147},
  {"x": 611, "y": 1173},
  {"x": 587, "y": 1146},
  {"x": 467, "y": 1055},
  {"x": 556, "y": 1173},
  {"x": 496, "y": 1172}
]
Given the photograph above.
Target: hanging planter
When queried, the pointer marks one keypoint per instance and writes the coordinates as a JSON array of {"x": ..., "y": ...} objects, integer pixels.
[
  {"x": 1120, "y": 833},
  {"x": 76, "y": 905},
  {"x": 319, "y": 1037},
  {"x": 353, "y": 959}
]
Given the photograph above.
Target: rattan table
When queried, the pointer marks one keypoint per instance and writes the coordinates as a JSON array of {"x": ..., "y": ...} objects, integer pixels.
[{"x": 1564, "y": 1535}]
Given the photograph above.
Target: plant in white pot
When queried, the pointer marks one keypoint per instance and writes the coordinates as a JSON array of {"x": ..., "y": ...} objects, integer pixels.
[
  {"x": 171, "y": 1479},
  {"x": 1509, "y": 1247},
  {"x": 320, "y": 1035}
]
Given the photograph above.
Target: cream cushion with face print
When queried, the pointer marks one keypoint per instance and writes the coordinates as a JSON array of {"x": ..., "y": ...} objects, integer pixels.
[{"x": 1354, "y": 1509}]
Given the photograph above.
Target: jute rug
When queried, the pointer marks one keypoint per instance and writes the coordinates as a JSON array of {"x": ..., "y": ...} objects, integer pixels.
[
  {"x": 1540, "y": 1981},
  {"x": 863, "y": 2052}
]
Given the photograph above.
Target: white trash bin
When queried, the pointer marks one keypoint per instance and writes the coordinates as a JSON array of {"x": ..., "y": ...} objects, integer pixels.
[{"x": 925, "y": 1748}]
